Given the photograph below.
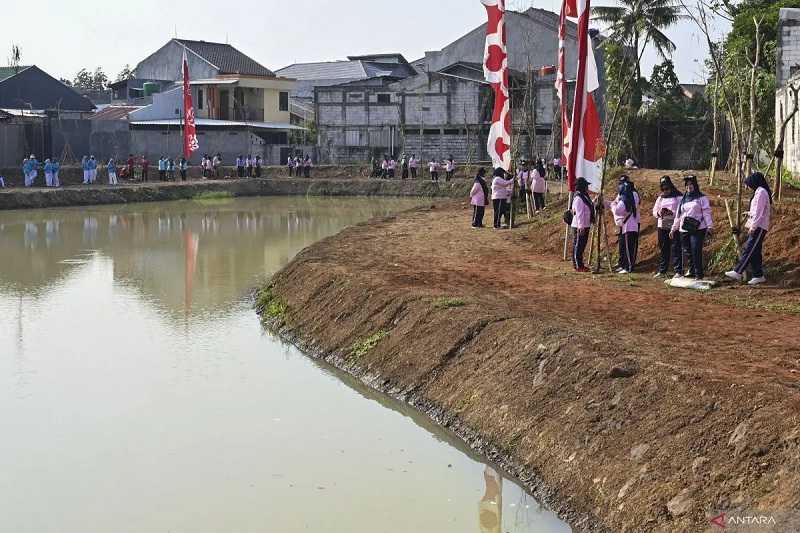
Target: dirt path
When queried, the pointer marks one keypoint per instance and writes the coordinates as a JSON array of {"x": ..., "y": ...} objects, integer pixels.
[{"x": 629, "y": 406}]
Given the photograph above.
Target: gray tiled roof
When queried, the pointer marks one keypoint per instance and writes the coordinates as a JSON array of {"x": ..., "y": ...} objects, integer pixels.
[
  {"x": 326, "y": 70},
  {"x": 226, "y": 58}
]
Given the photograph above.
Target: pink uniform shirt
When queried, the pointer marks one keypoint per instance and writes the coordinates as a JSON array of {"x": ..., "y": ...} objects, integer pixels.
[
  {"x": 581, "y": 213},
  {"x": 666, "y": 203},
  {"x": 628, "y": 222},
  {"x": 502, "y": 188},
  {"x": 538, "y": 183},
  {"x": 524, "y": 179},
  {"x": 476, "y": 195},
  {"x": 760, "y": 210},
  {"x": 697, "y": 208}
]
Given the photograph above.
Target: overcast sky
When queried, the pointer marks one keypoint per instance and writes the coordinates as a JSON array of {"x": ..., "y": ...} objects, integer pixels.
[{"x": 63, "y": 37}]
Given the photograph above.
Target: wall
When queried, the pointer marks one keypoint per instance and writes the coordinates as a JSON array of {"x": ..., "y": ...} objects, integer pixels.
[
  {"x": 783, "y": 107},
  {"x": 12, "y": 144},
  {"x": 788, "y": 51},
  {"x": 167, "y": 61}
]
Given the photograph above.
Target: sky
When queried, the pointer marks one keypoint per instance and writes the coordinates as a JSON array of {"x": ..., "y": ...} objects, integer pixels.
[{"x": 68, "y": 36}]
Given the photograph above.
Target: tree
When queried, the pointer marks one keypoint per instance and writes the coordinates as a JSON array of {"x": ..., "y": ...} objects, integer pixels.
[
  {"x": 90, "y": 81},
  {"x": 15, "y": 58},
  {"x": 636, "y": 23},
  {"x": 125, "y": 74}
]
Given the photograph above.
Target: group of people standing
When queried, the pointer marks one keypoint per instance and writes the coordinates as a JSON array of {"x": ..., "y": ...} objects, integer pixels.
[
  {"x": 532, "y": 183},
  {"x": 249, "y": 166},
  {"x": 30, "y": 172},
  {"x": 210, "y": 166},
  {"x": 300, "y": 166},
  {"x": 683, "y": 220}
]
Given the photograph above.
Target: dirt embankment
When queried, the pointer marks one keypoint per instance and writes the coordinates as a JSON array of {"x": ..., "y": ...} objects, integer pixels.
[
  {"x": 625, "y": 405},
  {"x": 34, "y": 198}
]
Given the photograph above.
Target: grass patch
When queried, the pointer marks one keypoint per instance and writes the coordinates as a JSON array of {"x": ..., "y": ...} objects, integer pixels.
[
  {"x": 760, "y": 304},
  {"x": 363, "y": 346},
  {"x": 213, "y": 197},
  {"x": 270, "y": 306},
  {"x": 449, "y": 303},
  {"x": 723, "y": 258}
]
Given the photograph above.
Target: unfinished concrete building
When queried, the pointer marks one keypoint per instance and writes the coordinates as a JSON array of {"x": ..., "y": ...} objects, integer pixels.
[{"x": 442, "y": 106}]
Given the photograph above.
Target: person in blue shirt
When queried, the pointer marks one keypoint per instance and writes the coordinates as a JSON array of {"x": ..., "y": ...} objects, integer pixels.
[
  {"x": 92, "y": 169},
  {"x": 112, "y": 172},
  {"x": 48, "y": 173},
  {"x": 56, "y": 167},
  {"x": 183, "y": 166},
  {"x": 26, "y": 171},
  {"x": 171, "y": 169}
]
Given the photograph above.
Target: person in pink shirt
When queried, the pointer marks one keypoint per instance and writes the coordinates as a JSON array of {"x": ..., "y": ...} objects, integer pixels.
[
  {"x": 692, "y": 222},
  {"x": 583, "y": 216},
  {"x": 502, "y": 189},
  {"x": 625, "y": 210},
  {"x": 392, "y": 167},
  {"x": 758, "y": 225},
  {"x": 433, "y": 168},
  {"x": 479, "y": 198},
  {"x": 664, "y": 211},
  {"x": 538, "y": 185},
  {"x": 450, "y": 168}
]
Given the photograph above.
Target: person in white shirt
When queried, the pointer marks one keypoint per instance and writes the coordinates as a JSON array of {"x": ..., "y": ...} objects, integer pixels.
[
  {"x": 412, "y": 165},
  {"x": 450, "y": 167},
  {"x": 433, "y": 168}
]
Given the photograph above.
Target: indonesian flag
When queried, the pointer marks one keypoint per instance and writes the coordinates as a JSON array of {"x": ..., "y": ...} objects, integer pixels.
[
  {"x": 190, "y": 143},
  {"x": 586, "y": 147},
  {"x": 495, "y": 69}
]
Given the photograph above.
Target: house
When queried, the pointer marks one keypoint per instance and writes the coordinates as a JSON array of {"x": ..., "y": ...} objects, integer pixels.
[
  {"x": 440, "y": 105},
  {"x": 46, "y": 116},
  {"x": 788, "y": 77},
  {"x": 241, "y": 107}
]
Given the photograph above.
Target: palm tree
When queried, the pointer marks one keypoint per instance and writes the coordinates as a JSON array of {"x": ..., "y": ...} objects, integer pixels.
[{"x": 636, "y": 23}]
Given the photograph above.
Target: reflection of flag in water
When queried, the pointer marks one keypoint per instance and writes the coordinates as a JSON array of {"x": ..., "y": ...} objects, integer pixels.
[
  {"x": 586, "y": 148},
  {"x": 190, "y": 143},
  {"x": 490, "y": 507},
  {"x": 191, "y": 242},
  {"x": 495, "y": 68}
]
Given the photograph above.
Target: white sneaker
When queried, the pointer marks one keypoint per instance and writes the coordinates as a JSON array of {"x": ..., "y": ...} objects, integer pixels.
[
  {"x": 733, "y": 275},
  {"x": 677, "y": 276},
  {"x": 622, "y": 271},
  {"x": 658, "y": 275},
  {"x": 757, "y": 281}
]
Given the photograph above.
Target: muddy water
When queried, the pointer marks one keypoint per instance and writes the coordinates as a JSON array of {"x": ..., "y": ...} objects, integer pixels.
[{"x": 138, "y": 392}]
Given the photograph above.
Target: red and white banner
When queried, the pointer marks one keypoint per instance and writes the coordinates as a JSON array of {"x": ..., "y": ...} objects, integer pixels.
[
  {"x": 495, "y": 68},
  {"x": 586, "y": 146},
  {"x": 190, "y": 143},
  {"x": 561, "y": 79}
]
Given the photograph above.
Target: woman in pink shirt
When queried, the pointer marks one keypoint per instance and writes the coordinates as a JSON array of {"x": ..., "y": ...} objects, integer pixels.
[
  {"x": 758, "y": 225},
  {"x": 538, "y": 185},
  {"x": 502, "y": 189},
  {"x": 625, "y": 209},
  {"x": 478, "y": 198},
  {"x": 582, "y": 219},
  {"x": 693, "y": 221},
  {"x": 664, "y": 211}
]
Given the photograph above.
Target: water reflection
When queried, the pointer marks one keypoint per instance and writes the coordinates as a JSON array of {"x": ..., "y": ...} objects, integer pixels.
[{"x": 138, "y": 391}]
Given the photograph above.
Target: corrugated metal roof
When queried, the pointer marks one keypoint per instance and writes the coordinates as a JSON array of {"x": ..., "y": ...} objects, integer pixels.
[
  {"x": 114, "y": 112},
  {"x": 7, "y": 72},
  {"x": 207, "y": 122},
  {"x": 327, "y": 70},
  {"x": 226, "y": 58}
]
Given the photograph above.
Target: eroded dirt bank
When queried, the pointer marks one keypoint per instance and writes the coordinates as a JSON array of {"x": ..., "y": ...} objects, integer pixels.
[
  {"x": 647, "y": 410},
  {"x": 35, "y": 198}
]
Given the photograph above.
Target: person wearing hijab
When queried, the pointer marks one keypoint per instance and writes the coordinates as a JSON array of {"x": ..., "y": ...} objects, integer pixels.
[
  {"x": 583, "y": 217},
  {"x": 625, "y": 209},
  {"x": 664, "y": 211},
  {"x": 48, "y": 173},
  {"x": 450, "y": 168},
  {"x": 502, "y": 189},
  {"x": 758, "y": 219},
  {"x": 85, "y": 167},
  {"x": 112, "y": 172},
  {"x": 538, "y": 185},
  {"x": 92, "y": 169},
  {"x": 433, "y": 168},
  {"x": 692, "y": 223},
  {"x": 404, "y": 167},
  {"x": 479, "y": 198},
  {"x": 56, "y": 168},
  {"x": 524, "y": 182},
  {"x": 413, "y": 163}
]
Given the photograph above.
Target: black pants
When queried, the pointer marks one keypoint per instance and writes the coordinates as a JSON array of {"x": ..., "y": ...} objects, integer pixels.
[
  {"x": 391, "y": 173},
  {"x": 477, "y": 215},
  {"x": 291, "y": 171},
  {"x": 413, "y": 173},
  {"x": 628, "y": 249},
  {"x": 580, "y": 238},
  {"x": 404, "y": 175},
  {"x": 670, "y": 251},
  {"x": 692, "y": 243},
  {"x": 307, "y": 172},
  {"x": 162, "y": 174},
  {"x": 538, "y": 200},
  {"x": 499, "y": 206},
  {"x": 449, "y": 175},
  {"x": 434, "y": 176},
  {"x": 258, "y": 172},
  {"x": 752, "y": 255},
  {"x": 144, "y": 174},
  {"x": 557, "y": 172},
  {"x": 240, "y": 171},
  {"x": 183, "y": 175}
]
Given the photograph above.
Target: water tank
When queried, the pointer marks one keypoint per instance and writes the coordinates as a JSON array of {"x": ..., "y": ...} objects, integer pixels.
[{"x": 150, "y": 88}]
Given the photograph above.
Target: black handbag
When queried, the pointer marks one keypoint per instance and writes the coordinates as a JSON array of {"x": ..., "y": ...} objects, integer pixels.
[
  {"x": 568, "y": 215},
  {"x": 690, "y": 224}
]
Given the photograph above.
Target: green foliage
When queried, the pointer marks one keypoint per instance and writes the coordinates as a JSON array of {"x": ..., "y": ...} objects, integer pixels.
[
  {"x": 270, "y": 306},
  {"x": 90, "y": 81},
  {"x": 125, "y": 74},
  {"x": 213, "y": 197},
  {"x": 363, "y": 346},
  {"x": 448, "y": 303}
]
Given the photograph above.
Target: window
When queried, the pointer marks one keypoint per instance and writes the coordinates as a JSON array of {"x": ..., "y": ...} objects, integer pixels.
[
  {"x": 353, "y": 138},
  {"x": 384, "y": 98},
  {"x": 199, "y": 98},
  {"x": 355, "y": 97},
  {"x": 283, "y": 101}
]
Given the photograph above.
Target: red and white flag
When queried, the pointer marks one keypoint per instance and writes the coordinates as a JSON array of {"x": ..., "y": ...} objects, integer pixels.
[
  {"x": 495, "y": 69},
  {"x": 190, "y": 143},
  {"x": 586, "y": 146}
]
